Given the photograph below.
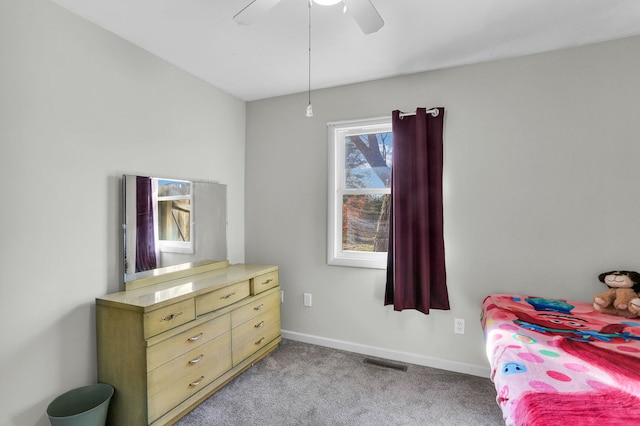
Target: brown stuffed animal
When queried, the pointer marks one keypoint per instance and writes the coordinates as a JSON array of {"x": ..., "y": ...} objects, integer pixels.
[{"x": 622, "y": 297}]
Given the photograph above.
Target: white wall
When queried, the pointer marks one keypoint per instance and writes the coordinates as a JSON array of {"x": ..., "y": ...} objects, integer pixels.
[
  {"x": 78, "y": 108},
  {"x": 542, "y": 167}
]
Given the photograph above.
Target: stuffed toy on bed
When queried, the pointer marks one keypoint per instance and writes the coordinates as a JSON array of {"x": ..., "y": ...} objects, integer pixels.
[{"x": 623, "y": 297}]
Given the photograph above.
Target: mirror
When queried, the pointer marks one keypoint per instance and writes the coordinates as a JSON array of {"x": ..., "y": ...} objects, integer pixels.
[{"x": 171, "y": 223}]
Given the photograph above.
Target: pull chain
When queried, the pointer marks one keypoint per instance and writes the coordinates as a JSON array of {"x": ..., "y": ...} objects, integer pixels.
[{"x": 309, "y": 107}]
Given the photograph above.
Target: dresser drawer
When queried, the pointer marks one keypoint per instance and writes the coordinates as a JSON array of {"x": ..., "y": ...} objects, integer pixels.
[
  {"x": 180, "y": 378},
  {"x": 201, "y": 361},
  {"x": 220, "y": 298},
  {"x": 254, "y": 334},
  {"x": 166, "y": 318},
  {"x": 264, "y": 282},
  {"x": 258, "y": 305},
  {"x": 175, "y": 346}
]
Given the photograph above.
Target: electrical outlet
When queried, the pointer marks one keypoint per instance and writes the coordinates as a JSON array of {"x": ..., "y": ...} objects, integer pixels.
[
  {"x": 307, "y": 299},
  {"x": 458, "y": 326}
]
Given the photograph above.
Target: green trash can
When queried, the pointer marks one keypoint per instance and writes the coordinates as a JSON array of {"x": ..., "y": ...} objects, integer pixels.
[{"x": 85, "y": 406}]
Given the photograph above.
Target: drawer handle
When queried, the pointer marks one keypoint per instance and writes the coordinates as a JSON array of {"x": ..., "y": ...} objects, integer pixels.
[
  {"x": 257, "y": 308},
  {"x": 267, "y": 281},
  {"x": 197, "y": 382},
  {"x": 196, "y": 360},
  {"x": 171, "y": 317},
  {"x": 260, "y": 341},
  {"x": 260, "y": 324},
  {"x": 196, "y": 337},
  {"x": 226, "y": 296}
]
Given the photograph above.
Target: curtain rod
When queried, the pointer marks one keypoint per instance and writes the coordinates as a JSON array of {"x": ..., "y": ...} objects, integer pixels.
[{"x": 433, "y": 111}]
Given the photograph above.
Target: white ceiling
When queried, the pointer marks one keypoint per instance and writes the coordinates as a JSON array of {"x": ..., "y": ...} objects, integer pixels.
[{"x": 270, "y": 57}]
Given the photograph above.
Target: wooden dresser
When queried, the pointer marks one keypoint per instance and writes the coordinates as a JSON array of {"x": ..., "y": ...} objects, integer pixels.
[{"x": 168, "y": 345}]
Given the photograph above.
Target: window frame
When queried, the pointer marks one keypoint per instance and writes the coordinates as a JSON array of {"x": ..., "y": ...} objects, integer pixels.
[
  {"x": 337, "y": 131},
  {"x": 173, "y": 246}
]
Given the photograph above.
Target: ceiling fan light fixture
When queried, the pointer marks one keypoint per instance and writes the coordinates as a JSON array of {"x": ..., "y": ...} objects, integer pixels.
[{"x": 327, "y": 2}]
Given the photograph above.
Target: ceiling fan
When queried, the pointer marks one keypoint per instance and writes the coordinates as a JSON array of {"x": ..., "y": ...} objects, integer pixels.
[{"x": 363, "y": 11}]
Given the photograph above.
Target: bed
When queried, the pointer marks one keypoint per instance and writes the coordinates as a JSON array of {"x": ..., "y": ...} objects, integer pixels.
[{"x": 559, "y": 362}]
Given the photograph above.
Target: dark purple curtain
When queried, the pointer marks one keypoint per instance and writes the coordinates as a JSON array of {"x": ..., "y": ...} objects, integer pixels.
[
  {"x": 145, "y": 240},
  {"x": 416, "y": 275}
]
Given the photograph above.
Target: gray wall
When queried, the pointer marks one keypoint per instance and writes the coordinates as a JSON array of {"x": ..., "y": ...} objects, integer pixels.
[
  {"x": 78, "y": 108},
  {"x": 541, "y": 194}
]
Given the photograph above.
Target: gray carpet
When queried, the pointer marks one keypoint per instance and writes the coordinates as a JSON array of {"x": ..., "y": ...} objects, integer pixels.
[{"x": 302, "y": 384}]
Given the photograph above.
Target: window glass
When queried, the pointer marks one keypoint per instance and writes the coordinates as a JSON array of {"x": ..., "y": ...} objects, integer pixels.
[
  {"x": 365, "y": 224},
  {"x": 174, "y": 219},
  {"x": 173, "y": 188},
  {"x": 359, "y": 171}
]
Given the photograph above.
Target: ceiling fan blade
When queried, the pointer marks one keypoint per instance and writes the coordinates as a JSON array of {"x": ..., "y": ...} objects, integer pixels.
[
  {"x": 365, "y": 15},
  {"x": 253, "y": 10}
]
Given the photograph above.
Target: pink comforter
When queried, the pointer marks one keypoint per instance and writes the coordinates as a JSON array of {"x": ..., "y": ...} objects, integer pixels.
[{"x": 556, "y": 362}]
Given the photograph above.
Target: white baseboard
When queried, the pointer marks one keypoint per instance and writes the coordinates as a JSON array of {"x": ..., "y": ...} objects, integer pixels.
[{"x": 443, "y": 364}]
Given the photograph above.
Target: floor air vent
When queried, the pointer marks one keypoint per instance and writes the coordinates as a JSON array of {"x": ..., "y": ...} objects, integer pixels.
[{"x": 385, "y": 364}]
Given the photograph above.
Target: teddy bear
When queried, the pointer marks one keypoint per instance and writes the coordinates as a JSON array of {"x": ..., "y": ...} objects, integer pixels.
[{"x": 622, "y": 297}]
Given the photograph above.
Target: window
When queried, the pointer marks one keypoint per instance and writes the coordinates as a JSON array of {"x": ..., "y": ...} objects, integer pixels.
[
  {"x": 174, "y": 216},
  {"x": 359, "y": 192}
]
